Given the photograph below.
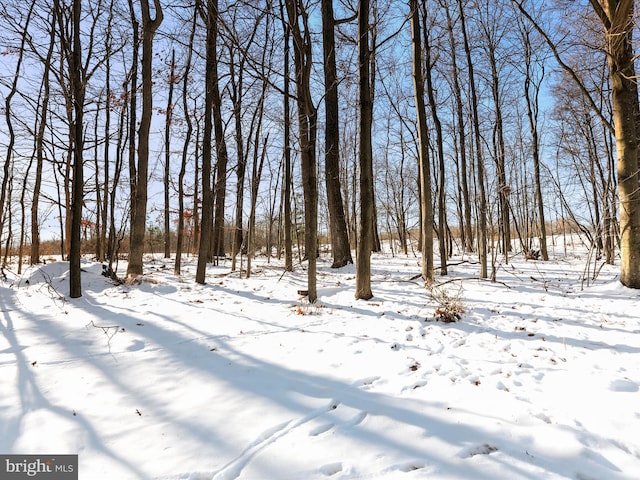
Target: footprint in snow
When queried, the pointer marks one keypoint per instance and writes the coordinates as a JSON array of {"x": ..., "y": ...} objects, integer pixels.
[
  {"x": 502, "y": 387},
  {"x": 484, "y": 449},
  {"x": 543, "y": 416},
  {"x": 416, "y": 385},
  {"x": 366, "y": 382},
  {"x": 331, "y": 469},
  {"x": 409, "y": 466}
]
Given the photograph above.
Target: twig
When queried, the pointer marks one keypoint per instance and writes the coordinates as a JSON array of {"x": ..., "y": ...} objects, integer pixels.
[
  {"x": 107, "y": 331},
  {"x": 55, "y": 294}
]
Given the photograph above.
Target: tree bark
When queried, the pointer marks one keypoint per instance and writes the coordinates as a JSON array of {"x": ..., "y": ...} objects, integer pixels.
[
  {"x": 78, "y": 92},
  {"x": 442, "y": 207},
  {"x": 426, "y": 205},
  {"x": 167, "y": 156},
  {"x": 365, "y": 243},
  {"x": 340, "y": 247},
  {"x": 288, "y": 241},
  {"x": 206, "y": 225},
  {"x": 617, "y": 18},
  {"x": 307, "y": 128},
  {"x": 139, "y": 208},
  {"x": 222, "y": 156}
]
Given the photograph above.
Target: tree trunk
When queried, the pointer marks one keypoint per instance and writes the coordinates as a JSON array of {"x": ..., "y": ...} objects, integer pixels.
[
  {"x": 617, "y": 17},
  {"x": 237, "y": 83},
  {"x": 8, "y": 163},
  {"x": 531, "y": 95},
  {"x": 99, "y": 250},
  {"x": 197, "y": 201},
  {"x": 35, "y": 228},
  {"x": 206, "y": 226},
  {"x": 500, "y": 153},
  {"x": 365, "y": 243},
  {"x": 426, "y": 205},
  {"x": 255, "y": 185},
  {"x": 167, "y": 157},
  {"x": 307, "y": 128},
  {"x": 340, "y": 248},
  {"x": 288, "y": 241},
  {"x": 139, "y": 209},
  {"x": 442, "y": 208},
  {"x": 480, "y": 170},
  {"x": 104, "y": 211},
  {"x": 112, "y": 240},
  {"x": 185, "y": 150},
  {"x": 221, "y": 146},
  {"x": 78, "y": 90},
  {"x": 466, "y": 230}
]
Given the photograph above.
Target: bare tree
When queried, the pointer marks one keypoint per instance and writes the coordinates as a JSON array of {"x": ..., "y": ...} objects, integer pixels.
[
  {"x": 236, "y": 82},
  {"x": 617, "y": 19},
  {"x": 238, "y": 45},
  {"x": 491, "y": 23},
  {"x": 185, "y": 147},
  {"x": 340, "y": 247},
  {"x": 73, "y": 51},
  {"x": 173, "y": 79},
  {"x": 222, "y": 156},
  {"x": 365, "y": 242},
  {"x": 426, "y": 205},
  {"x": 8, "y": 162},
  {"x": 140, "y": 194},
  {"x": 466, "y": 230},
  {"x": 103, "y": 209},
  {"x": 286, "y": 183},
  {"x": 480, "y": 168},
  {"x": 431, "y": 95},
  {"x": 206, "y": 227},
  {"x": 307, "y": 131},
  {"x": 532, "y": 87},
  {"x": 256, "y": 175},
  {"x": 40, "y": 140}
]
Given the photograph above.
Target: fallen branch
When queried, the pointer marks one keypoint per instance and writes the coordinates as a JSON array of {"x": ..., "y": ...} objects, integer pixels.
[{"x": 458, "y": 263}]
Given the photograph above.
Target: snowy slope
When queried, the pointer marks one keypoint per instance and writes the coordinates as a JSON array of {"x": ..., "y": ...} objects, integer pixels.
[{"x": 240, "y": 379}]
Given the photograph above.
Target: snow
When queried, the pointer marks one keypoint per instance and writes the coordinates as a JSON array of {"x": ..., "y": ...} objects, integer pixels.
[{"x": 242, "y": 379}]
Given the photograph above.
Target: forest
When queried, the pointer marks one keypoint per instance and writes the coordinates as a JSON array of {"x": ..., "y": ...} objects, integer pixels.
[
  {"x": 278, "y": 128},
  {"x": 318, "y": 239}
]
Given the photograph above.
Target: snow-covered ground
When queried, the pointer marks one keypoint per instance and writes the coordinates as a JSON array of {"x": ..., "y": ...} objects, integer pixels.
[{"x": 240, "y": 378}]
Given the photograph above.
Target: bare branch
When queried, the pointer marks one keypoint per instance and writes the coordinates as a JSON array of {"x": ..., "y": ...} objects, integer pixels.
[
  {"x": 564, "y": 66},
  {"x": 604, "y": 18}
]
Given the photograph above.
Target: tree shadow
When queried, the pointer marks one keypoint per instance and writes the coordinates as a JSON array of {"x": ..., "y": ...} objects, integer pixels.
[{"x": 30, "y": 394}]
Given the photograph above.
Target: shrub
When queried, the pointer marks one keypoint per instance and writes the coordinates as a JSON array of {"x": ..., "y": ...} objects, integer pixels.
[{"x": 449, "y": 305}]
